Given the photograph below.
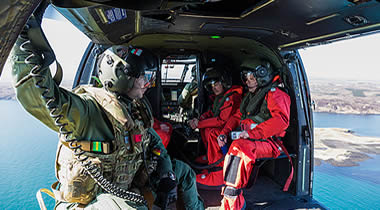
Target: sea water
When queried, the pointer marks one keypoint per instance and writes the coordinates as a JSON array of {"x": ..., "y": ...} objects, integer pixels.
[
  {"x": 27, "y": 154},
  {"x": 356, "y": 187},
  {"x": 362, "y": 125}
]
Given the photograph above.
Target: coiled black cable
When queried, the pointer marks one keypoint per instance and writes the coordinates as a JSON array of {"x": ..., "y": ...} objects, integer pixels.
[{"x": 35, "y": 58}]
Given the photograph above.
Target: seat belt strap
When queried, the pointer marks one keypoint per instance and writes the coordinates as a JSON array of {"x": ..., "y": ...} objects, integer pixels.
[{"x": 289, "y": 180}]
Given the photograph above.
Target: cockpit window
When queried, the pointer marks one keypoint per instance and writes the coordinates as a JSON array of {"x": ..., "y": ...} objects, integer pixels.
[{"x": 176, "y": 71}]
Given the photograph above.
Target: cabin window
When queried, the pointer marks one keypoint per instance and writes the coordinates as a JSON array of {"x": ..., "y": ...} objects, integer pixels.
[{"x": 173, "y": 72}]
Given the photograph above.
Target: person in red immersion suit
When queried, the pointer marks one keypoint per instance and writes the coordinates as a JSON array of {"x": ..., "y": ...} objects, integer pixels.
[
  {"x": 216, "y": 124},
  {"x": 264, "y": 114},
  {"x": 164, "y": 130}
]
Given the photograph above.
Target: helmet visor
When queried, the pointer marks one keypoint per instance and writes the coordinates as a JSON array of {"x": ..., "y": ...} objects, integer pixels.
[
  {"x": 245, "y": 73},
  {"x": 260, "y": 71},
  {"x": 211, "y": 83}
]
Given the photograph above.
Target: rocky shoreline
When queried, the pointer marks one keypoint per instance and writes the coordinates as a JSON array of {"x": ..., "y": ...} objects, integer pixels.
[{"x": 341, "y": 147}]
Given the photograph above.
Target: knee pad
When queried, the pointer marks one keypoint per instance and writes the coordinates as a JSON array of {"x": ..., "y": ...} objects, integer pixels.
[{"x": 232, "y": 168}]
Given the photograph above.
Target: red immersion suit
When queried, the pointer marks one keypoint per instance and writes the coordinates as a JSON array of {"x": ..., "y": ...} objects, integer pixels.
[
  {"x": 243, "y": 153},
  {"x": 164, "y": 134},
  {"x": 212, "y": 125}
]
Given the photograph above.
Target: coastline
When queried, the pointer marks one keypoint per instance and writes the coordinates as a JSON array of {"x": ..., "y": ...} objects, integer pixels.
[{"x": 341, "y": 147}]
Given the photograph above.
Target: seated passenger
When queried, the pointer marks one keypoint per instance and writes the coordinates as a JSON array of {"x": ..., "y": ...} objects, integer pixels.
[
  {"x": 216, "y": 124},
  {"x": 188, "y": 95},
  {"x": 264, "y": 114}
]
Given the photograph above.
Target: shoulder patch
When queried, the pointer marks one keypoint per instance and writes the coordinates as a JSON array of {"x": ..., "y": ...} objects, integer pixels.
[
  {"x": 228, "y": 98},
  {"x": 273, "y": 89}
]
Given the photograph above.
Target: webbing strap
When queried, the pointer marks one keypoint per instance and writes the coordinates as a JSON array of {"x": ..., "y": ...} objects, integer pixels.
[
  {"x": 40, "y": 200},
  {"x": 289, "y": 180}
]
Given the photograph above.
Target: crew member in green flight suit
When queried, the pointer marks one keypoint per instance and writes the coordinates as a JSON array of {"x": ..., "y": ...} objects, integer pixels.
[
  {"x": 187, "y": 98},
  {"x": 108, "y": 155}
]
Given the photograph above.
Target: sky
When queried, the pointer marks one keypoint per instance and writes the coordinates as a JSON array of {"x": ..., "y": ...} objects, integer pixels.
[
  {"x": 68, "y": 49},
  {"x": 354, "y": 59}
]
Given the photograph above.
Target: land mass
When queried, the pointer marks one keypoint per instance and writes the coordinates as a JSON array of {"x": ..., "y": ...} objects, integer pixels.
[
  {"x": 341, "y": 147},
  {"x": 332, "y": 96},
  {"x": 345, "y": 96}
]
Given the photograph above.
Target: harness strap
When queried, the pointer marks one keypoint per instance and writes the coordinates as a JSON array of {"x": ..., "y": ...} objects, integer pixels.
[
  {"x": 279, "y": 143},
  {"x": 289, "y": 180}
]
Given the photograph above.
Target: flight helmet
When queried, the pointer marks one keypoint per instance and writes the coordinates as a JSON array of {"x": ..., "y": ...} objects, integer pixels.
[
  {"x": 215, "y": 74},
  {"x": 119, "y": 66},
  {"x": 261, "y": 69}
]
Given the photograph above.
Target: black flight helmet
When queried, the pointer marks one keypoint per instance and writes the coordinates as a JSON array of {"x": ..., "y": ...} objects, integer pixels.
[
  {"x": 216, "y": 74},
  {"x": 261, "y": 69}
]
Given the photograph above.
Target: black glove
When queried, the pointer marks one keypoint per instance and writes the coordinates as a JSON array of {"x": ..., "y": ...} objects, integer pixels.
[{"x": 167, "y": 191}]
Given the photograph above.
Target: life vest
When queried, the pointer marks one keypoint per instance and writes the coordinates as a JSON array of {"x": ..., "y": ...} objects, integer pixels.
[
  {"x": 218, "y": 103},
  {"x": 254, "y": 105},
  {"x": 119, "y": 164}
]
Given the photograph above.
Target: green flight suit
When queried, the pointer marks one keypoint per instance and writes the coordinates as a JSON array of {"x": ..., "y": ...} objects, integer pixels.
[
  {"x": 91, "y": 120},
  {"x": 187, "y": 97}
]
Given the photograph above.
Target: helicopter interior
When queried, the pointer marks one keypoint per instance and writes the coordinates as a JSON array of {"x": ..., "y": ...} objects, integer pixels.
[
  {"x": 186, "y": 144},
  {"x": 186, "y": 34}
]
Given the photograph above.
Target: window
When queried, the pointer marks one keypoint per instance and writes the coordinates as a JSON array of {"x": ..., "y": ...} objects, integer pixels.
[{"x": 177, "y": 71}]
